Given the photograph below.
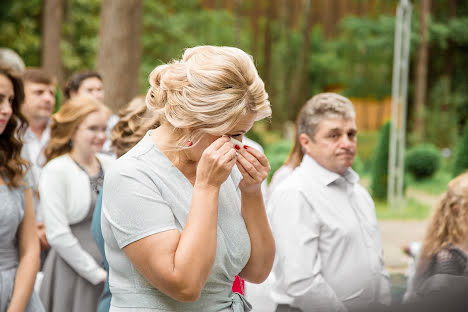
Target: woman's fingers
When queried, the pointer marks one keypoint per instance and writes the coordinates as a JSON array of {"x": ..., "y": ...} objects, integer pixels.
[
  {"x": 245, "y": 175},
  {"x": 229, "y": 156},
  {"x": 217, "y": 144},
  {"x": 261, "y": 158}
]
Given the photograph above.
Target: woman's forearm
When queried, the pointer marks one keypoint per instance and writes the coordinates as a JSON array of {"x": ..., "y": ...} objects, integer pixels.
[
  {"x": 28, "y": 249},
  {"x": 262, "y": 242},
  {"x": 24, "y": 281},
  {"x": 196, "y": 250}
]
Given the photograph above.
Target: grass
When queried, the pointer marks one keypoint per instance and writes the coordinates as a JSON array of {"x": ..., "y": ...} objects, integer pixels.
[
  {"x": 435, "y": 185},
  {"x": 411, "y": 209}
]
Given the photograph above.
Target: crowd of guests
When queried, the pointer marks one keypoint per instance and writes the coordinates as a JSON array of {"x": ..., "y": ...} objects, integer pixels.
[{"x": 164, "y": 206}]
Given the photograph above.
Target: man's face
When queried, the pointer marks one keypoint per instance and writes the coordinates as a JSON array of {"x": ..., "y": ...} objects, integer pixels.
[
  {"x": 39, "y": 101},
  {"x": 334, "y": 144}
]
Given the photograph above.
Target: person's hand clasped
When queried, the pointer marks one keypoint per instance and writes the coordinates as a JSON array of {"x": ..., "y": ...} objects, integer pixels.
[
  {"x": 254, "y": 168},
  {"x": 216, "y": 163}
]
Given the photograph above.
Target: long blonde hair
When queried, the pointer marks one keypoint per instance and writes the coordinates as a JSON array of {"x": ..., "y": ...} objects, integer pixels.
[
  {"x": 208, "y": 91},
  {"x": 448, "y": 223},
  {"x": 135, "y": 120},
  {"x": 66, "y": 121}
]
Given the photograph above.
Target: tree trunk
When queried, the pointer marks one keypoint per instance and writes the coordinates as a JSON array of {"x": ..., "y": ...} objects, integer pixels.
[
  {"x": 267, "y": 45},
  {"x": 120, "y": 50},
  {"x": 52, "y": 20},
  {"x": 297, "y": 81},
  {"x": 255, "y": 20},
  {"x": 237, "y": 22},
  {"x": 421, "y": 73}
]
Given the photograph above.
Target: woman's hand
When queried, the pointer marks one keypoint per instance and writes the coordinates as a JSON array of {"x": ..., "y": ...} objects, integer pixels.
[
  {"x": 216, "y": 163},
  {"x": 254, "y": 168}
]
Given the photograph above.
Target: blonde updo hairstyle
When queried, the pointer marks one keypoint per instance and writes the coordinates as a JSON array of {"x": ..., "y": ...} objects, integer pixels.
[
  {"x": 448, "y": 223},
  {"x": 208, "y": 91},
  {"x": 135, "y": 120},
  {"x": 66, "y": 121},
  {"x": 323, "y": 106}
]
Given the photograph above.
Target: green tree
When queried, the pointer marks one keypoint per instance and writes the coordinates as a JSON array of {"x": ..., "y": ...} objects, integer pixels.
[
  {"x": 461, "y": 154},
  {"x": 379, "y": 173}
]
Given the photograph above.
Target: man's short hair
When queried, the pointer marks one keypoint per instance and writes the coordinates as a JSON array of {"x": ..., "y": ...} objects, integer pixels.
[
  {"x": 323, "y": 106},
  {"x": 11, "y": 59},
  {"x": 38, "y": 75}
]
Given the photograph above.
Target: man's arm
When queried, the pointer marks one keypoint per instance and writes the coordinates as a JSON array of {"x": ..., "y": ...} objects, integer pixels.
[{"x": 299, "y": 267}]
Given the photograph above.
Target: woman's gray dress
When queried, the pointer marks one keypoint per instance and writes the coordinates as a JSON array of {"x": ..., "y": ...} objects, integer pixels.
[
  {"x": 11, "y": 215},
  {"x": 62, "y": 288}
]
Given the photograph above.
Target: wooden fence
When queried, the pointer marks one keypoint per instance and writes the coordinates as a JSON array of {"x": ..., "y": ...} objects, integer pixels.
[{"x": 371, "y": 113}]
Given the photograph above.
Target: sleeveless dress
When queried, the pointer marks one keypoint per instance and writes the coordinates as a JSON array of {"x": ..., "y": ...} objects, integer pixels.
[
  {"x": 62, "y": 288},
  {"x": 11, "y": 216}
]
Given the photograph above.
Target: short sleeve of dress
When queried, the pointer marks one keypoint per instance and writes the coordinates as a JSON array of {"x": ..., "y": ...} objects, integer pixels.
[
  {"x": 28, "y": 179},
  {"x": 133, "y": 205}
]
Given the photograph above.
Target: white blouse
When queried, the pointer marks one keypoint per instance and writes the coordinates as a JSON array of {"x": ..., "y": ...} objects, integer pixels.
[{"x": 66, "y": 198}]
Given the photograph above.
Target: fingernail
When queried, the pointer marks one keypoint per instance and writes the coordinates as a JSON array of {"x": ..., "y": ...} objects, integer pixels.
[
  {"x": 237, "y": 147},
  {"x": 246, "y": 147}
]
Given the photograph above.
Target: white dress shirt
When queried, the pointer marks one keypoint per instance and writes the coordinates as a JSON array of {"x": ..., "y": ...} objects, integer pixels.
[
  {"x": 33, "y": 151},
  {"x": 328, "y": 249}
]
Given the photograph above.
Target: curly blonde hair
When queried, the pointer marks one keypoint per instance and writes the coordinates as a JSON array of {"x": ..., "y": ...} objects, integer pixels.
[
  {"x": 448, "y": 223},
  {"x": 66, "y": 121},
  {"x": 135, "y": 120},
  {"x": 208, "y": 91}
]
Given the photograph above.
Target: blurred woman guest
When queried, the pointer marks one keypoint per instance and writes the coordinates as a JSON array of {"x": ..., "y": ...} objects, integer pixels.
[
  {"x": 443, "y": 260},
  {"x": 69, "y": 185},
  {"x": 135, "y": 121},
  {"x": 292, "y": 162},
  {"x": 19, "y": 244},
  {"x": 178, "y": 222},
  {"x": 90, "y": 83}
]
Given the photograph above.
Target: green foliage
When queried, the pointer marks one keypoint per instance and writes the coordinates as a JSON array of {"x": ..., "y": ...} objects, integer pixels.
[
  {"x": 364, "y": 47},
  {"x": 436, "y": 185},
  {"x": 442, "y": 113},
  {"x": 461, "y": 154},
  {"x": 367, "y": 141},
  {"x": 379, "y": 173},
  {"x": 411, "y": 209},
  {"x": 358, "y": 165},
  {"x": 277, "y": 154},
  {"x": 172, "y": 26},
  {"x": 422, "y": 161},
  {"x": 356, "y": 60},
  {"x": 80, "y": 41},
  {"x": 20, "y": 29}
]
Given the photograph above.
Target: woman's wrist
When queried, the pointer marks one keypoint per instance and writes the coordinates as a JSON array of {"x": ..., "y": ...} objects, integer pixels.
[{"x": 251, "y": 191}]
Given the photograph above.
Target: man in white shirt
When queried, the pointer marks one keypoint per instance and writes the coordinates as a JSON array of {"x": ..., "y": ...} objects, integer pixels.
[
  {"x": 329, "y": 253},
  {"x": 38, "y": 106}
]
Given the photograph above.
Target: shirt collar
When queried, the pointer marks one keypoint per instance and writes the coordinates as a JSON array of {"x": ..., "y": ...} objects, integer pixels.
[
  {"x": 30, "y": 135},
  {"x": 325, "y": 176}
]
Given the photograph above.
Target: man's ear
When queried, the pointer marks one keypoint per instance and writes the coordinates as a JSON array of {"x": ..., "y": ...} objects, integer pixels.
[{"x": 304, "y": 139}]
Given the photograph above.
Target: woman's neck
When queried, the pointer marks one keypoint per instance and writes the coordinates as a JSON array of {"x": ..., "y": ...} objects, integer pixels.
[
  {"x": 87, "y": 161},
  {"x": 163, "y": 137}
]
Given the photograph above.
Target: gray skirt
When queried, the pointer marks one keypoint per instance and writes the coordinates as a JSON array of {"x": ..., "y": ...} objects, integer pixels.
[
  {"x": 63, "y": 289},
  {"x": 7, "y": 283}
]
